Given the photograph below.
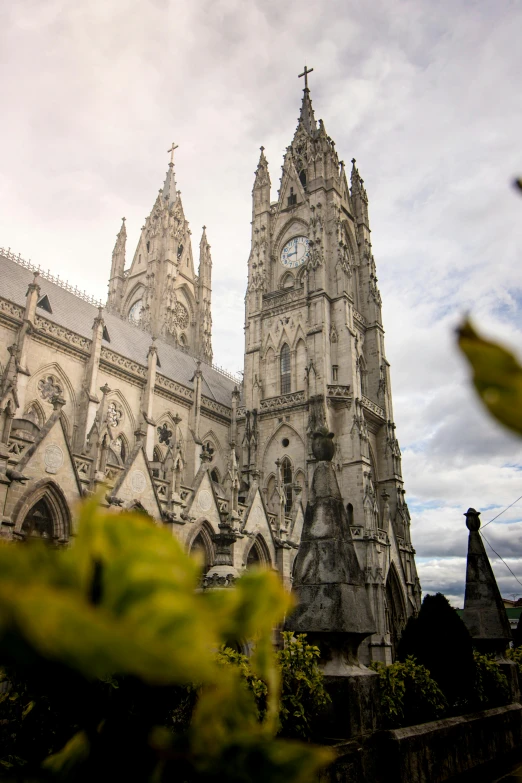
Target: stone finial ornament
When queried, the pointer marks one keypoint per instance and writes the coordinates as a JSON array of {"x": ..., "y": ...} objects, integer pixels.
[{"x": 323, "y": 447}]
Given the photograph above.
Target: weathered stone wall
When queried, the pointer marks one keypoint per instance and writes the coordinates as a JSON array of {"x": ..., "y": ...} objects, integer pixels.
[{"x": 444, "y": 751}]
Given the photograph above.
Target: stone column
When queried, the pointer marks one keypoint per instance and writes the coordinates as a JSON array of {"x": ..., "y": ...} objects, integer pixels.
[
  {"x": 90, "y": 399},
  {"x": 148, "y": 400}
]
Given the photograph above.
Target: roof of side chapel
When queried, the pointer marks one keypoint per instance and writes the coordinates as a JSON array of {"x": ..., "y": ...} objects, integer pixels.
[{"x": 126, "y": 339}]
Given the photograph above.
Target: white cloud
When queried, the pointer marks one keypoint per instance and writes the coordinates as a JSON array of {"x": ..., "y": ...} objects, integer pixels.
[{"x": 421, "y": 94}]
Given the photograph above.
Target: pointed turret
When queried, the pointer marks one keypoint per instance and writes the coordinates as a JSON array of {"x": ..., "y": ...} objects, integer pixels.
[
  {"x": 359, "y": 196},
  {"x": 169, "y": 191},
  {"x": 261, "y": 189},
  {"x": 204, "y": 344},
  {"x": 117, "y": 268}
]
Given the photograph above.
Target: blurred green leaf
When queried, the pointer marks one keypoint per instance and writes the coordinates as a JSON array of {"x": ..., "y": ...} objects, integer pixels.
[{"x": 497, "y": 376}]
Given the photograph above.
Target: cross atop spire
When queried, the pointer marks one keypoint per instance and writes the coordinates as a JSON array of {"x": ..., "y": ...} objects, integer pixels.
[
  {"x": 174, "y": 147},
  {"x": 305, "y": 74},
  {"x": 169, "y": 187},
  {"x": 307, "y": 119}
]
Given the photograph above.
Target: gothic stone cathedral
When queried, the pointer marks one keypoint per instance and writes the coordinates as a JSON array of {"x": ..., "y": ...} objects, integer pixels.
[{"x": 88, "y": 397}]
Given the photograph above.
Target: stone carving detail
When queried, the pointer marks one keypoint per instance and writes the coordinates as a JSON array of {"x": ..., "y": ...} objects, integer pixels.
[
  {"x": 49, "y": 387},
  {"x": 371, "y": 406},
  {"x": 359, "y": 317},
  {"x": 164, "y": 434},
  {"x": 53, "y": 458},
  {"x": 54, "y": 330},
  {"x": 114, "y": 415},
  {"x": 138, "y": 481},
  {"x": 181, "y": 316},
  {"x": 336, "y": 390},
  {"x": 217, "y": 580},
  {"x": 217, "y": 407},
  {"x": 205, "y": 500},
  {"x": 83, "y": 467},
  {"x": 283, "y": 401},
  {"x": 176, "y": 388},
  {"x": 11, "y": 309},
  {"x": 125, "y": 364}
]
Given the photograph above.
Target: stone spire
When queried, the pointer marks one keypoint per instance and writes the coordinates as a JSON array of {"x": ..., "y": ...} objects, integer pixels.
[
  {"x": 204, "y": 337},
  {"x": 262, "y": 175},
  {"x": 484, "y": 613},
  {"x": 117, "y": 268},
  {"x": 169, "y": 192},
  {"x": 307, "y": 118}
]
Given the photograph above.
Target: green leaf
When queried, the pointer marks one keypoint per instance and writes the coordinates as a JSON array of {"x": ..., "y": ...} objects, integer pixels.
[
  {"x": 74, "y": 753},
  {"x": 497, "y": 376}
]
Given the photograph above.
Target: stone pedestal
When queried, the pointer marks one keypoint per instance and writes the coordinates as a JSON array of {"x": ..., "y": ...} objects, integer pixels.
[{"x": 354, "y": 710}]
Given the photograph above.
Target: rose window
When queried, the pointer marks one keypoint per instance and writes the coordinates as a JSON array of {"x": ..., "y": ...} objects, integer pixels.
[
  {"x": 181, "y": 316},
  {"x": 49, "y": 387}
]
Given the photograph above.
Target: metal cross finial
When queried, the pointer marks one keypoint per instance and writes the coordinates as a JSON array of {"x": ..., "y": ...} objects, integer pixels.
[
  {"x": 174, "y": 147},
  {"x": 305, "y": 74}
]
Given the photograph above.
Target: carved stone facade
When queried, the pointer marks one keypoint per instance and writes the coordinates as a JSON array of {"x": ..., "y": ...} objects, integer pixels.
[
  {"x": 160, "y": 291},
  {"x": 314, "y": 355},
  {"x": 89, "y": 399}
]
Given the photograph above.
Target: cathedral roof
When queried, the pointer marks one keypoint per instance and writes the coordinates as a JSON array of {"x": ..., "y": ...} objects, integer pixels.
[{"x": 75, "y": 314}]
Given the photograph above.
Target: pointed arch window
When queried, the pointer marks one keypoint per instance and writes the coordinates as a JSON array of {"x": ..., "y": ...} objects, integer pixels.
[
  {"x": 302, "y": 177},
  {"x": 285, "y": 370},
  {"x": 39, "y": 521},
  {"x": 287, "y": 476}
]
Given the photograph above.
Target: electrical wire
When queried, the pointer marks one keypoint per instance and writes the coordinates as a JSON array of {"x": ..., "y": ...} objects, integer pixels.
[
  {"x": 501, "y": 558},
  {"x": 499, "y": 515}
]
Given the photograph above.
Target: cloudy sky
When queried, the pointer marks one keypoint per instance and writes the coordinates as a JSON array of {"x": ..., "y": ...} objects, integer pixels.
[{"x": 425, "y": 95}]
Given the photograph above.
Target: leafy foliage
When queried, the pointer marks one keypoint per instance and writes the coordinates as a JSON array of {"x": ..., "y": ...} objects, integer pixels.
[
  {"x": 408, "y": 694},
  {"x": 438, "y": 639},
  {"x": 491, "y": 685},
  {"x": 116, "y": 626},
  {"x": 303, "y": 694},
  {"x": 497, "y": 376}
]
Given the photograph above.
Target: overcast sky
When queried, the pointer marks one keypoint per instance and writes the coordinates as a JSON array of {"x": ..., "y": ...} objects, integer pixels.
[{"x": 425, "y": 95}]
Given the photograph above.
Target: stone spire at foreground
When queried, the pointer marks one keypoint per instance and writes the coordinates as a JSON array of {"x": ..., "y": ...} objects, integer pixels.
[
  {"x": 333, "y": 607},
  {"x": 484, "y": 613}
]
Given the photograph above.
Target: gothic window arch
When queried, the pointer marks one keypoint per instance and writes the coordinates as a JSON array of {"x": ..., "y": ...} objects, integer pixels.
[
  {"x": 44, "y": 513},
  {"x": 302, "y": 178},
  {"x": 203, "y": 547},
  {"x": 395, "y": 609},
  {"x": 35, "y": 414},
  {"x": 258, "y": 554},
  {"x": 214, "y": 475},
  {"x": 349, "y": 512},
  {"x": 285, "y": 371},
  {"x": 287, "y": 476},
  {"x": 287, "y": 281}
]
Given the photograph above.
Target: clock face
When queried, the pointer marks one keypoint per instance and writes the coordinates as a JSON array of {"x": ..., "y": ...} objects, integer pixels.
[
  {"x": 295, "y": 252},
  {"x": 135, "y": 311}
]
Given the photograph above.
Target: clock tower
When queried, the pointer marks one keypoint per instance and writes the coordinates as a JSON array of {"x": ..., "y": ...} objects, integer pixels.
[{"x": 315, "y": 356}]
